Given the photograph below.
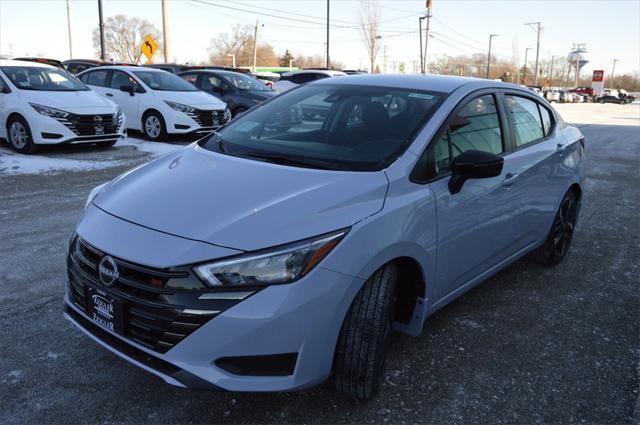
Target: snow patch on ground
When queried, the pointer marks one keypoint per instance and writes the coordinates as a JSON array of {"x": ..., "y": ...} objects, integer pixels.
[{"x": 52, "y": 162}]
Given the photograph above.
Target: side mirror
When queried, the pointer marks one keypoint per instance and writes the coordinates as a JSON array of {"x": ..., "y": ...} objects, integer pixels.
[
  {"x": 473, "y": 165},
  {"x": 127, "y": 88}
]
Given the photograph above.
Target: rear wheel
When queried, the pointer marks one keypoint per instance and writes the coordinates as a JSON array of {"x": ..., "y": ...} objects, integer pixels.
[
  {"x": 153, "y": 126},
  {"x": 19, "y": 136},
  {"x": 362, "y": 345},
  {"x": 558, "y": 241}
]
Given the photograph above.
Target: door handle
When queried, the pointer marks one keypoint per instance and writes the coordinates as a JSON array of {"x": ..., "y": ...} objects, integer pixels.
[
  {"x": 109, "y": 94},
  {"x": 510, "y": 179}
]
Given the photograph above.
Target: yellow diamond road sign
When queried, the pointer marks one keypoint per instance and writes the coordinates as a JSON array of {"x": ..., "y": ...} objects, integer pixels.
[{"x": 148, "y": 47}]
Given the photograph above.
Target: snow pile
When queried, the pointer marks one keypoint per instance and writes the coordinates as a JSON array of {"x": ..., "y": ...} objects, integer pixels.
[{"x": 52, "y": 162}]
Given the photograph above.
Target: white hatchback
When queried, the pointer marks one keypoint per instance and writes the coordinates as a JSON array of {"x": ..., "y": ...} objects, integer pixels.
[
  {"x": 157, "y": 102},
  {"x": 44, "y": 105}
]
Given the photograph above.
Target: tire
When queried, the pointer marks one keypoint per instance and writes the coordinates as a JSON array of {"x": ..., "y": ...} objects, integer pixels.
[
  {"x": 362, "y": 344},
  {"x": 19, "y": 136},
  {"x": 239, "y": 110},
  {"x": 153, "y": 126},
  {"x": 108, "y": 144},
  {"x": 602, "y": 101},
  {"x": 558, "y": 241}
]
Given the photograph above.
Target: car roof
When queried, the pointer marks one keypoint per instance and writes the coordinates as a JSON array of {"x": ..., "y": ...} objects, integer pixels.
[
  {"x": 127, "y": 68},
  {"x": 92, "y": 61},
  {"x": 313, "y": 71},
  {"x": 439, "y": 83},
  {"x": 13, "y": 62}
]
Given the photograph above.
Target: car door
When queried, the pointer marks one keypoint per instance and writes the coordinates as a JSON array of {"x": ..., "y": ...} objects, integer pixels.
[
  {"x": 130, "y": 104},
  {"x": 475, "y": 226},
  {"x": 538, "y": 146},
  {"x": 5, "y": 93},
  {"x": 216, "y": 86}
]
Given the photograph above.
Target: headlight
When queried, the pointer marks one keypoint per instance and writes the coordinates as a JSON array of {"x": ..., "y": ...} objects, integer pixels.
[
  {"x": 50, "y": 112},
  {"x": 227, "y": 114},
  {"x": 180, "y": 107},
  {"x": 94, "y": 192},
  {"x": 280, "y": 265}
]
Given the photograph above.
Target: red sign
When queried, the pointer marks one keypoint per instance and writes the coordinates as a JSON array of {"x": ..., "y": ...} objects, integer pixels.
[{"x": 598, "y": 76}]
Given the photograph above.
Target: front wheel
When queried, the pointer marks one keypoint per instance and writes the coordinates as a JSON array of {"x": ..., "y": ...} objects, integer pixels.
[
  {"x": 362, "y": 344},
  {"x": 558, "y": 241},
  {"x": 153, "y": 126},
  {"x": 19, "y": 136}
]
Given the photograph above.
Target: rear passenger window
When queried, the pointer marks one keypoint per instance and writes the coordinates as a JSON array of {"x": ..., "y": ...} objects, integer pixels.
[
  {"x": 96, "y": 78},
  {"x": 525, "y": 116},
  {"x": 474, "y": 127},
  {"x": 547, "y": 122},
  {"x": 192, "y": 78}
]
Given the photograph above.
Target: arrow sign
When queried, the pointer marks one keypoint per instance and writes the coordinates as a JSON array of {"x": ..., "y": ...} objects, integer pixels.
[{"x": 148, "y": 47}]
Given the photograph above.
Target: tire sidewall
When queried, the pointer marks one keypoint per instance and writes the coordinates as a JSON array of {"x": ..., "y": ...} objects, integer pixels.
[
  {"x": 29, "y": 146},
  {"x": 163, "y": 128}
]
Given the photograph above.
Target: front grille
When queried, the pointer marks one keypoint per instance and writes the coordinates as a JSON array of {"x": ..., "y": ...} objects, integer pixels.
[
  {"x": 154, "y": 316},
  {"x": 91, "y": 125},
  {"x": 209, "y": 118}
]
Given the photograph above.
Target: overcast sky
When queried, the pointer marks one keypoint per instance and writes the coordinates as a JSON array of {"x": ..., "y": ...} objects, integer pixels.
[{"x": 610, "y": 29}]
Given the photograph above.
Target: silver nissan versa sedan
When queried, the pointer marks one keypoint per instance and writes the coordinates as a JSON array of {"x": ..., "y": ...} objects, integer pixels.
[{"x": 283, "y": 249}]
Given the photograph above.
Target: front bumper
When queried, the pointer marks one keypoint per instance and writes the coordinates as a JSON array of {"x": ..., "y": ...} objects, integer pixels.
[
  {"x": 303, "y": 318},
  {"x": 200, "y": 121},
  {"x": 50, "y": 131}
]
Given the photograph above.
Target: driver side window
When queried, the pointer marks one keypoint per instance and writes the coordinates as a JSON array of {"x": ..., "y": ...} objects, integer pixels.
[{"x": 474, "y": 127}]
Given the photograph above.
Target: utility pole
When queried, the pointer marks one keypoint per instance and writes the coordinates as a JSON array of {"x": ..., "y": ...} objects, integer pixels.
[
  {"x": 537, "y": 30},
  {"x": 291, "y": 64},
  {"x": 426, "y": 40},
  {"x": 255, "y": 45},
  {"x": 384, "y": 59},
  {"x": 328, "y": 61},
  {"x": 613, "y": 72},
  {"x": 489, "y": 55},
  {"x": 101, "y": 26},
  {"x": 165, "y": 31},
  {"x": 524, "y": 70},
  {"x": 69, "y": 29},
  {"x": 551, "y": 72},
  {"x": 420, "y": 19}
]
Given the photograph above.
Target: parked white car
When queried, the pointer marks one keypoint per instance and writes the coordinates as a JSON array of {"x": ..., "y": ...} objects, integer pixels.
[
  {"x": 552, "y": 95},
  {"x": 157, "y": 102},
  {"x": 289, "y": 80},
  {"x": 44, "y": 105}
]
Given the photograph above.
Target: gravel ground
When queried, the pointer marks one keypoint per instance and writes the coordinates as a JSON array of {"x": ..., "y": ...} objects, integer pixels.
[{"x": 531, "y": 345}]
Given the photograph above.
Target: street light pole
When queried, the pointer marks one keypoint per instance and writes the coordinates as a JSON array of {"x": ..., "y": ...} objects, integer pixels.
[
  {"x": 328, "y": 61},
  {"x": 426, "y": 39},
  {"x": 69, "y": 28},
  {"x": 291, "y": 64},
  {"x": 255, "y": 46},
  {"x": 524, "y": 70},
  {"x": 165, "y": 31},
  {"x": 101, "y": 26},
  {"x": 233, "y": 58},
  {"x": 489, "y": 55},
  {"x": 420, "y": 19},
  {"x": 551, "y": 72}
]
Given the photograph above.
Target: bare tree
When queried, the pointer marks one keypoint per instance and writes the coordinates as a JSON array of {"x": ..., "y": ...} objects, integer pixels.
[
  {"x": 123, "y": 36},
  {"x": 239, "y": 42},
  {"x": 370, "y": 29}
]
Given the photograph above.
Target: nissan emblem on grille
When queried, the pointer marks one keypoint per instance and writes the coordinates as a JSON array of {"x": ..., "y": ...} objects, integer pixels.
[
  {"x": 99, "y": 127},
  {"x": 108, "y": 270}
]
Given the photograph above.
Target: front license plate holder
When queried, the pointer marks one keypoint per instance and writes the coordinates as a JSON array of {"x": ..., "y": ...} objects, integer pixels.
[{"x": 105, "y": 310}]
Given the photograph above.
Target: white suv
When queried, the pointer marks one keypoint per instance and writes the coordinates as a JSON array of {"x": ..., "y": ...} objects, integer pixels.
[
  {"x": 40, "y": 104},
  {"x": 157, "y": 102}
]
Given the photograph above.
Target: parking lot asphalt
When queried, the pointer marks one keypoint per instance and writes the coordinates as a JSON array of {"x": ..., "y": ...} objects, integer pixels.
[{"x": 531, "y": 345}]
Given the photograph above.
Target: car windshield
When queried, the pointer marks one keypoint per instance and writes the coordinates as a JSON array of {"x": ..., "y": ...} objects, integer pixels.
[
  {"x": 43, "y": 79},
  {"x": 242, "y": 82},
  {"x": 164, "y": 81},
  {"x": 340, "y": 127}
]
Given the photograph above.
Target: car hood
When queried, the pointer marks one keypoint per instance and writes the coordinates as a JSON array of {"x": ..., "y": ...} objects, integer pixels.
[
  {"x": 239, "y": 203},
  {"x": 82, "y": 101},
  {"x": 261, "y": 95},
  {"x": 199, "y": 99}
]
